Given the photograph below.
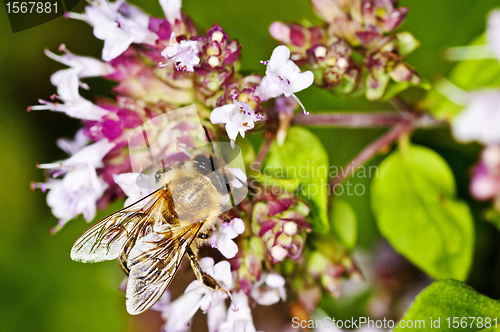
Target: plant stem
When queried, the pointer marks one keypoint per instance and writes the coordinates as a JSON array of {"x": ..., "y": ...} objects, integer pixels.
[
  {"x": 400, "y": 104},
  {"x": 352, "y": 120},
  {"x": 264, "y": 149},
  {"x": 370, "y": 151}
]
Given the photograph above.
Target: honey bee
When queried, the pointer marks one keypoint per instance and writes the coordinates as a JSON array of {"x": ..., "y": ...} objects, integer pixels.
[{"x": 150, "y": 237}]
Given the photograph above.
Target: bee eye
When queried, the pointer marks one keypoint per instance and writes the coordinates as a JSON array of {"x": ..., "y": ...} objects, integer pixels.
[{"x": 159, "y": 174}]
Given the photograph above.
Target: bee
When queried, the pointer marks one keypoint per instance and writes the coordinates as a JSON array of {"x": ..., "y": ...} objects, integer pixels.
[{"x": 150, "y": 237}]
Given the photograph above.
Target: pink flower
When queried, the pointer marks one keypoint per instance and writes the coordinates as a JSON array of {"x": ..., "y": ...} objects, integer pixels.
[
  {"x": 172, "y": 9},
  {"x": 73, "y": 146},
  {"x": 283, "y": 77},
  {"x": 239, "y": 319},
  {"x": 280, "y": 223},
  {"x": 67, "y": 81},
  {"x": 280, "y": 32},
  {"x": 128, "y": 183},
  {"x": 223, "y": 236},
  {"x": 197, "y": 296},
  {"x": 79, "y": 108},
  {"x": 119, "y": 25},
  {"x": 269, "y": 289},
  {"x": 238, "y": 117},
  {"x": 485, "y": 182},
  {"x": 67, "y": 201},
  {"x": 81, "y": 187},
  {"x": 183, "y": 54}
]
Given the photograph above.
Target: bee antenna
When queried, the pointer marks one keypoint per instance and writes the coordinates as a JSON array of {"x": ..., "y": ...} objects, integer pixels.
[
  {"x": 147, "y": 144},
  {"x": 246, "y": 185},
  {"x": 211, "y": 149},
  {"x": 208, "y": 139}
]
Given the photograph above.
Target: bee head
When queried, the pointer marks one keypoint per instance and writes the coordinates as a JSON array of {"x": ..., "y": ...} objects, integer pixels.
[{"x": 215, "y": 169}]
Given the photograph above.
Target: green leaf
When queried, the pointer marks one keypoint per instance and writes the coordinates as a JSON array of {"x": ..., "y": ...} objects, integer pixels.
[
  {"x": 448, "y": 299},
  {"x": 303, "y": 157},
  {"x": 290, "y": 185},
  {"x": 343, "y": 221},
  {"x": 416, "y": 210}
]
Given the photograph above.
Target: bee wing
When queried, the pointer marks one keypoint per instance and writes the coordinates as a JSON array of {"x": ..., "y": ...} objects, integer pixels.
[
  {"x": 106, "y": 239},
  {"x": 153, "y": 263}
]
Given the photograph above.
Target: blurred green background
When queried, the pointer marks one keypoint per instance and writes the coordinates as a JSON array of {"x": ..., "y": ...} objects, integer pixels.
[{"x": 42, "y": 289}]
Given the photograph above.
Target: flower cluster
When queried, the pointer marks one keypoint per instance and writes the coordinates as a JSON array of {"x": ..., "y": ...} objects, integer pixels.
[
  {"x": 280, "y": 222},
  {"x": 352, "y": 30},
  {"x": 199, "y": 70},
  {"x": 159, "y": 65}
]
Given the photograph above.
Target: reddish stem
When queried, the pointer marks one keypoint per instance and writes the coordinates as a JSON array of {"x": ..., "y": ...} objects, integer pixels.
[
  {"x": 370, "y": 151},
  {"x": 264, "y": 149},
  {"x": 352, "y": 120}
]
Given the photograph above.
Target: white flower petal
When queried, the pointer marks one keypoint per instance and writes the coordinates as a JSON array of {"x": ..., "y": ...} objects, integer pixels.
[
  {"x": 280, "y": 57},
  {"x": 128, "y": 183},
  {"x": 283, "y": 77},
  {"x": 172, "y": 10},
  {"x": 180, "y": 312},
  {"x": 91, "y": 154},
  {"x": 241, "y": 319},
  {"x": 216, "y": 316},
  {"x": 220, "y": 114},
  {"x": 232, "y": 131},
  {"x": 72, "y": 147},
  {"x": 481, "y": 118},
  {"x": 67, "y": 83},
  {"x": 227, "y": 248},
  {"x": 238, "y": 225},
  {"x": 238, "y": 173},
  {"x": 118, "y": 31},
  {"x": 301, "y": 81},
  {"x": 275, "y": 280},
  {"x": 223, "y": 236}
]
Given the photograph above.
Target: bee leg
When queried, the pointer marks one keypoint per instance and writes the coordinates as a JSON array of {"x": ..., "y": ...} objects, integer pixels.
[
  {"x": 201, "y": 275},
  {"x": 123, "y": 264}
]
